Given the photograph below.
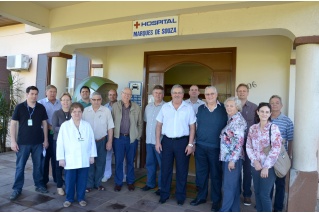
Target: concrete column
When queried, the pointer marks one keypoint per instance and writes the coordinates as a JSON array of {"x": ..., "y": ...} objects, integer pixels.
[
  {"x": 58, "y": 74},
  {"x": 303, "y": 184}
]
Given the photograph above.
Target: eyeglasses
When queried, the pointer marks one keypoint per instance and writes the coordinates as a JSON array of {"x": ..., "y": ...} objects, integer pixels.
[
  {"x": 127, "y": 94},
  {"x": 99, "y": 99},
  {"x": 208, "y": 94},
  {"x": 177, "y": 93}
]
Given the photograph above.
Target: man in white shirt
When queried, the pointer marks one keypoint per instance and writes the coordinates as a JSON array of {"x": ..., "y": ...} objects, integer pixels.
[
  {"x": 101, "y": 121},
  {"x": 176, "y": 121},
  {"x": 193, "y": 100}
]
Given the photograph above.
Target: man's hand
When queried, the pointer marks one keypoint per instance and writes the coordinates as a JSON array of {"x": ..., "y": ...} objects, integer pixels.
[
  {"x": 189, "y": 150},
  {"x": 91, "y": 160},
  {"x": 158, "y": 147},
  {"x": 108, "y": 145},
  {"x": 45, "y": 144},
  {"x": 14, "y": 146},
  {"x": 62, "y": 163}
]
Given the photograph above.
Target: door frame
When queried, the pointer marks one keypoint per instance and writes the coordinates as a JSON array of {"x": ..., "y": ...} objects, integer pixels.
[{"x": 187, "y": 55}]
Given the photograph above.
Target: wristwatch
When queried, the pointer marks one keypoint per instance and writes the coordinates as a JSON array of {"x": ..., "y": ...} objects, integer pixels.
[{"x": 191, "y": 145}]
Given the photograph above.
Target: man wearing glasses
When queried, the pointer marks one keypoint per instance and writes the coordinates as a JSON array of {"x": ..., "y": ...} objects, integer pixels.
[
  {"x": 101, "y": 121},
  {"x": 176, "y": 121},
  {"x": 127, "y": 117}
]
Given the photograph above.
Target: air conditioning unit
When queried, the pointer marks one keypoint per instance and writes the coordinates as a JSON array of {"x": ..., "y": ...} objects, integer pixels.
[{"x": 18, "y": 62}]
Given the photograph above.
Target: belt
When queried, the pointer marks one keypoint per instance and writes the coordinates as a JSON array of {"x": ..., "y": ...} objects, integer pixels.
[
  {"x": 100, "y": 139},
  {"x": 125, "y": 135},
  {"x": 185, "y": 136}
]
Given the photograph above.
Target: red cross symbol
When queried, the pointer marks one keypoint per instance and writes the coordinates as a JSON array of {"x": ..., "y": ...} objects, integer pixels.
[{"x": 136, "y": 24}]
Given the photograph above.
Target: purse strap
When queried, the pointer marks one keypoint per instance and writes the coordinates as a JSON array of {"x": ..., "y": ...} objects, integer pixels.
[{"x": 270, "y": 135}]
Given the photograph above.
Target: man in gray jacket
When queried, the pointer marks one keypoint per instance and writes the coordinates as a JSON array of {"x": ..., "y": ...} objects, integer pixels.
[{"x": 128, "y": 123}]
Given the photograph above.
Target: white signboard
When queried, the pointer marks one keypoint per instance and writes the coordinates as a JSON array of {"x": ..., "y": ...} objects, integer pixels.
[{"x": 158, "y": 27}]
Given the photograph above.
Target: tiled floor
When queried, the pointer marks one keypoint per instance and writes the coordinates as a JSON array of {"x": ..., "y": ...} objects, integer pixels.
[{"x": 99, "y": 201}]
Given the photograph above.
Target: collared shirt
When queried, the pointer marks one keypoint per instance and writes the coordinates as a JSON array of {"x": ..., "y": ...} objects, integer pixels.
[
  {"x": 100, "y": 121},
  {"x": 248, "y": 112},
  {"x": 84, "y": 104},
  {"x": 151, "y": 111},
  {"x": 125, "y": 122},
  {"x": 196, "y": 104},
  {"x": 259, "y": 139},
  {"x": 232, "y": 139},
  {"x": 218, "y": 103},
  {"x": 108, "y": 105},
  {"x": 286, "y": 128},
  {"x": 50, "y": 108},
  {"x": 176, "y": 122}
]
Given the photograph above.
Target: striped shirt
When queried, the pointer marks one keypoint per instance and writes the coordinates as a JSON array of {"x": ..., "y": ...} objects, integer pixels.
[{"x": 286, "y": 128}]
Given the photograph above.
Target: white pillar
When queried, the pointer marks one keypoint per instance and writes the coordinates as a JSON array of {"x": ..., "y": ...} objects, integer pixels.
[
  {"x": 306, "y": 137},
  {"x": 58, "y": 74}
]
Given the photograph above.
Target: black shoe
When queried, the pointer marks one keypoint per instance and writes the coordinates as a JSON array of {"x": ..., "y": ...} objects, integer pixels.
[
  {"x": 41, "y": 190},
  {"x": 14, "y": 195},
  {"x": 158, "y": 192},
  {"x": 196, "y": 202},
  {"x": 180, "y": 202},
  {"x": 162, "y": 200},
  {"x": 146, "y": 188},
  {"x": 215, "y": 207},
  {"x": 117, "y": 188}
]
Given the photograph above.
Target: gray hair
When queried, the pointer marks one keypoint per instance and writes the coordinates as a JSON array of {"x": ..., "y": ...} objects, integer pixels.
[
  {"x": 177, "y": 86},
  {"x": 96, "y": 93},
  {"x": 275, "y": 96},
  {"x": 211, "y": 87},
  {"x": 237, "y": 102}
]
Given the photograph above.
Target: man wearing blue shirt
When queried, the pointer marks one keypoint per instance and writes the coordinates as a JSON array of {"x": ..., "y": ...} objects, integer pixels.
[{"x": 51, "y": 104}]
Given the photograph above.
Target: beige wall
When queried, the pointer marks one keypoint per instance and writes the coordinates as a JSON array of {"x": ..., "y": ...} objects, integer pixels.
[
  {"x": 264, "y": 59},
  {"x": 14, "y": 41}
]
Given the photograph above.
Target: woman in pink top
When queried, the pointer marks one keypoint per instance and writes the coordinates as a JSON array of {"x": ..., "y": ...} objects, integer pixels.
[{"x": 263, "y": 165}]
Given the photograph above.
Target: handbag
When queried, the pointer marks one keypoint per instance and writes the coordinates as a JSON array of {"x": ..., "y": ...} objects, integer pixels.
[{"x": 283, "y": 164}]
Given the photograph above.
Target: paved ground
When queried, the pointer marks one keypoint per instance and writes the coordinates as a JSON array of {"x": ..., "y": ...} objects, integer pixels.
[{"x": 99, "y": 201}]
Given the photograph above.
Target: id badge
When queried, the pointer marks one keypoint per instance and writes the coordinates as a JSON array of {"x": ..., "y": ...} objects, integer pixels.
[{"x": 29, "y": 122}]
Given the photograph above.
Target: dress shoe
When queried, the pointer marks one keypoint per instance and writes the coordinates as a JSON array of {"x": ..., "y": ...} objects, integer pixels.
[
  {"x": 131, "y": 187},
  {"x": 215, "y": 207},
  {"x": 146, "y": 188},
  {"x": 158, "y": 192},
  {"x": 196, "y": 202},
  {"x": 14, "y": 195},
  {"x": 180, "y": 202},
  {"x": 163, "y": 200},
  {"x": 117, "y": 188}
]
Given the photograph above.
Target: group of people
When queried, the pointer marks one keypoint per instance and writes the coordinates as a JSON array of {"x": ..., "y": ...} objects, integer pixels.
[{"x": 81, "y": 137}]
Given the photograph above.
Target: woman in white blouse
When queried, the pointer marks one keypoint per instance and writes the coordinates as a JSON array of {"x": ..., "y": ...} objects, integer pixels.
[{"x": 75, "y": 152}]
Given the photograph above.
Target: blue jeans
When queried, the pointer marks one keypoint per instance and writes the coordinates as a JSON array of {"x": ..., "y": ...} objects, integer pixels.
[
  {"x": 279, "y": 194},
  {"x": 58, "y": 169},
  {"x": 207, "y": 163},
  {"x": 22, "y": 157},
  {"x": 231, "y": 187},
  {"x": 49, "y": 156},
  {"x": 123, "y": 147},
  {"x": 262, "y": 188},
  {"x": 96, "y": 170},
  {"x": 152, "y": 159},
  {"x": 75, "y": 179},
  {"x": 174, "y": 149},
  {"x": 247, "y": 177}
]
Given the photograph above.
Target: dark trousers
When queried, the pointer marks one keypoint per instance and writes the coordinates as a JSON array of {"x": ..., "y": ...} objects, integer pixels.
[
  {"x": 262, "y": 188},
  {"x": 124, "y": 148},
  {"x": 22, "y": 157},
  {"x": 152, "y": 160},
  {"x": 207, "y": 163},
  {"x": 75, "y": 180},
  {"x": 279, "y": 193},
  {"x": 174, "y": 149},
  {"x": 231, "y": 187},
  {"x": 58, "y": 169},
  {"x": 247, "y": 176},
  {"x": 96, "y": 170},
  {"x": 49, "y": 156}
]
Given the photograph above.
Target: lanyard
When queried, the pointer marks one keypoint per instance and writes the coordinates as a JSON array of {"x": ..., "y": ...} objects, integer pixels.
[{"x": 31, "y": 112}]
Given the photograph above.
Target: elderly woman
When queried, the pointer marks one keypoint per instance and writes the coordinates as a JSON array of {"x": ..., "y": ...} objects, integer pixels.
[
  {"x": 58, "y": 118},
  {"x": 232, "y": 154},
  {"x": 75, "y": 152},
  {"x": 263, "y": 164}
]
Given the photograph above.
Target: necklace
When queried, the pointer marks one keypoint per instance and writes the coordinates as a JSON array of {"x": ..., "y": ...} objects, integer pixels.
[{"x": 67, "y": 115}]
